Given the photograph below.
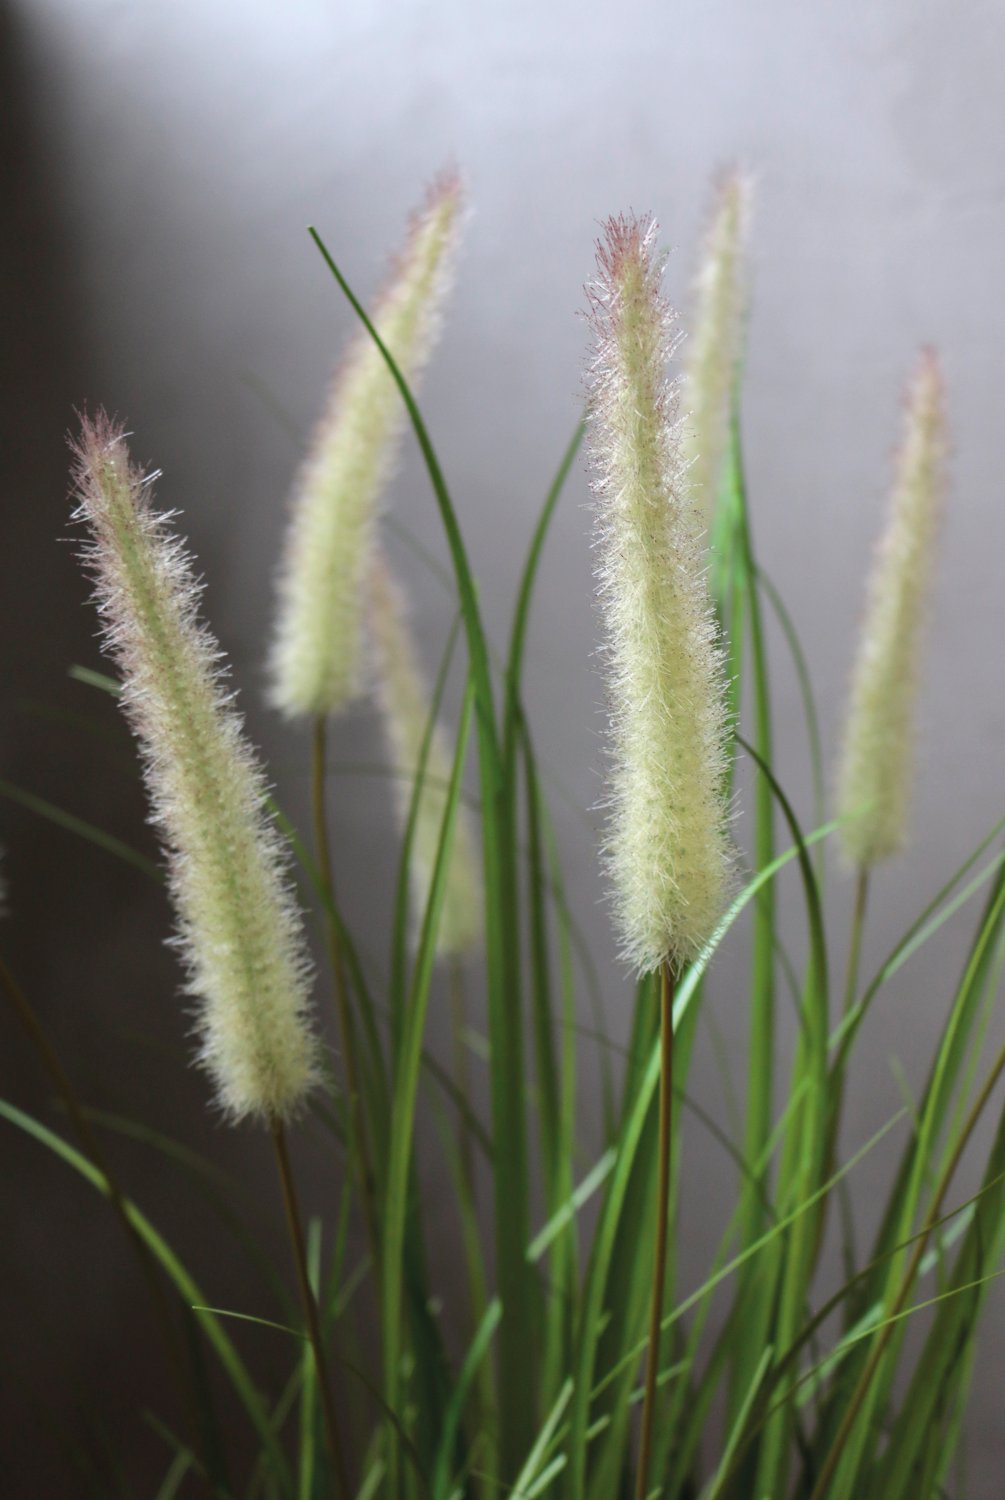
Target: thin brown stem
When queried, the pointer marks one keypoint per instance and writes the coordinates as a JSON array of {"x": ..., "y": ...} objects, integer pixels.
[
  {"x": 91, "y": 1146},
  {"x": 311, "y": 1314},
  {"x": 667, "y": 985},
  {"x": 359, "y": 1146},
  {"x": 886, "y": 1332}
]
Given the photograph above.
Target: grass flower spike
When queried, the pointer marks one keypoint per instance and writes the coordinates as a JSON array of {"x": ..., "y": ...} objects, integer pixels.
[
  {"x": 315, "y": 661},
  {"x": 239, "y": 930},
  {"x": 668, "y": 846},
  {"x": 404, "y": 699},
  {"x": 875, "y": 771},
  {"x": 714, "y": 340}
]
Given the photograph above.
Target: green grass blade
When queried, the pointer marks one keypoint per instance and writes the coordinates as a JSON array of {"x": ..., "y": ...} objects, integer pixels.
[
  {"x": 804, "y": 1157},
  {"x": 637, "y": 1108},
  {"x": 502, "y": 956},
  {"x": 400, "y": 921},
  {"x": 406, "y": 1083},
  {"x": 567, "y": 1212},
  {"x": 924, "y": 927},
  {"x": 944, "y": 1366},
  {"x": 172, "y": 1481},
  {"x": 240, "y": 1317},
  {"x": 211, "y": 1184},
  {"x": 810, "y": 714},
  {"x": 760, "y": 1073},
  {"x": 306, "y": 1448},
  {"x": 718, "y": 1483},
  {"x": 529, "y": 1472},
  {"x": 858, "y": 1443},
  {"x": 99, "y": 680},
  {"x": 466, "y": 1375},
  {"x": 554, "y": 1112},
  {"x": 232, "y": 1364},
  {"x": 82, "y": 829},
  {"x": 525, "y": 592}
]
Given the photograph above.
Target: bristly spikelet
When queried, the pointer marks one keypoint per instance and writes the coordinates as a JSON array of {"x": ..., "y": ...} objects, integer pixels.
[
  {"x": 405, "y": 704},
  {"x": 668, "y": 849},
  {"x": 315, "y": 659},
  {"x": 239, "y": 930},
  {"x": 714, "y": 339},
  {"x": 875, "y": 770}
]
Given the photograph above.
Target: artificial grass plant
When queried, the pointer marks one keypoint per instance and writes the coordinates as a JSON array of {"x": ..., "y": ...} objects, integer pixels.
[{"x": 560, "y": 1353}]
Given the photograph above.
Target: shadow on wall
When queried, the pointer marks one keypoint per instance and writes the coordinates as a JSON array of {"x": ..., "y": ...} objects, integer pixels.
[{"x": 84, "y": 931}]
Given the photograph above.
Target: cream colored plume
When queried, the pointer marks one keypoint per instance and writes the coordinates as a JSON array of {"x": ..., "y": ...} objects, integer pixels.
[
  {"x": 714, "y": 341},
  {"x": 315, "y": 660},
  {"x": 239, "y": 930},
  {"x": 668, "y": 848},
  {"x": 876, "y": 766},
  {"x": 404, "y": 699}
]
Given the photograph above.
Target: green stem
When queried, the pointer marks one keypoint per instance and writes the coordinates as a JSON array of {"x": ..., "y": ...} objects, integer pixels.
[
  {"x": 855, "y": 942},
  {"x": 921, "y": 1244},
  {"x": 462, "y": 1068},
  {"x": 310, "y": 1306},
  {"x": 667, "y": 979},
  {"x": 838, "y": 1071}
]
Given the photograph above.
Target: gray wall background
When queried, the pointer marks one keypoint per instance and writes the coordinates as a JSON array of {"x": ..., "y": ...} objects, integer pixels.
[{"x": 165, "y": 159}]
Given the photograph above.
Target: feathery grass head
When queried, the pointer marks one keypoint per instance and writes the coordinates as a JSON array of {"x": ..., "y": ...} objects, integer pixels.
[
  {"x": 875, "y": 770},
  {"x": 668, "y": 850},
  {"x": 404, "y": 699},
  {"x": 714, "y": 339},
  {"x": 315, "y": 660},
  {"x": 239, "y": 930}
]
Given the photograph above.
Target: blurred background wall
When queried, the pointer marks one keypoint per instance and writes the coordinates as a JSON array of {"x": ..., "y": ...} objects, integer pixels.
[{"x": 162, "y": 161}]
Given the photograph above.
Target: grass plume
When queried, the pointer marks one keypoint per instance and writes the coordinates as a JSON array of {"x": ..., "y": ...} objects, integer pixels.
[
  {"x": 668, "y": 849},
  {"x": 877, "y": 757},
  {"x": 316, "y": 658},
  {"x": 239, "y": 931}
]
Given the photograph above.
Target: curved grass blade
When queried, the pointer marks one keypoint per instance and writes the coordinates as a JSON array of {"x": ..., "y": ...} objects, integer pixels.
[
  {"x": 521, "y": 612},
  {"x": 208, "y": 1180},
  {"x": 451, "y": 1425},
  {"x": 190, "y": 1293},
  {"x": 502, "y": 940},
  {"x": 810, "y": 714},
  {"x": 803, "y": 1158},
  {"x": 718, "y": 1483},
  {"x": 406, "y": 1082},
  {"x": 172, "y": 1481},
  {"x": 530, "y": 1470},
  {"x": 228, "y": 1312},
  {"x": 399, "y": 921},
  {"x": 82, "y": 829},
  {"x": 564, "y": 1215}
]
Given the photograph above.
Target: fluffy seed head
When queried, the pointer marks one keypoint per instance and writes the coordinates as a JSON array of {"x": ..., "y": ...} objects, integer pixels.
[
  {"x": 315, "y": 660},
  {"x": 404, "y": 699},
  {"x": 667, "y": 849},
  {"x": 239, "y": 931},
  {"x": 875, "y": 770},
  {"x": 714, "y": 340}
]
